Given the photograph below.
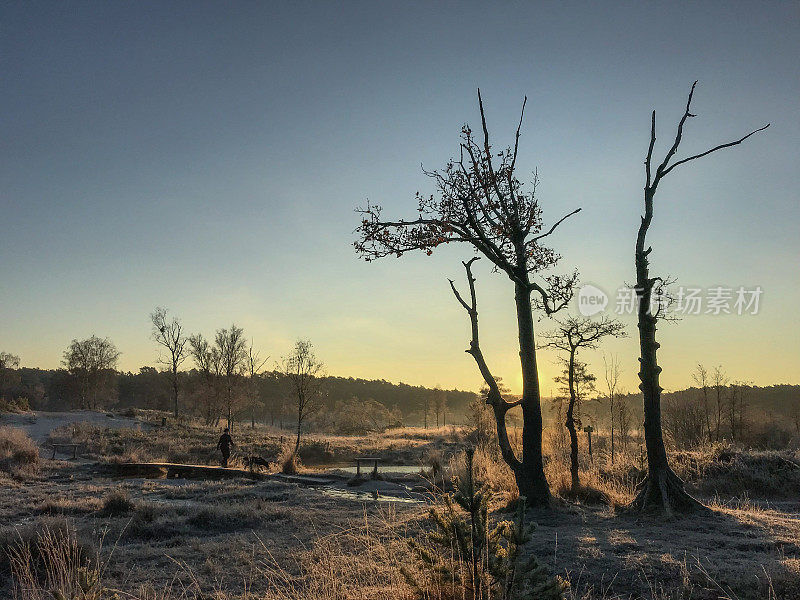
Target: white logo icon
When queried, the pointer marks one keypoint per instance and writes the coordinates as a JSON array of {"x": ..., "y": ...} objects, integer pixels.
[{"x": 591, "y": 300}]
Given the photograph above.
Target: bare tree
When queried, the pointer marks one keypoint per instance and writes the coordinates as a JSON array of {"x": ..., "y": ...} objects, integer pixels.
[
  {"x": 303, "y": 371},
  {"x": 612, "y": 373},
  {"x": 439, "y": 404},
  {"x": 570, "y": 335},
  {"x": 92, "y": 362},
  {"x": 700, "y": 377},
  {"x": 624, "y": 422},
  {"x": 682, "y": 419},
  {"x": 736, "y": 405},
  {"x": 231, "y": 348},
  {"x": 169, "y": 334},
  {"x": 719, "y": 381},
  {"x": 253, "y": 365},
  {"x": 662, "y": 489},
  {"x": 8, "y": 362},
  {"x": 208, "y": 362},
  {"x": 481, "y": 202}
]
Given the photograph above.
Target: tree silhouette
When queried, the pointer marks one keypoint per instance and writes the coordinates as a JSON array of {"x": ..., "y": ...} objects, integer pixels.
[
  {"x": 304, "y": 373},
  {"x": 570, "y": 335},
  {"x": 169, "y": 334},
  {"x": 662, "y": 490},
  {"x": 92, "y": 363},
  {"x": 481, "y": 202}
]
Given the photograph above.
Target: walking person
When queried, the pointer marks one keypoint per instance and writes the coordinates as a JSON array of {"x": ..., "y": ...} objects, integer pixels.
[{"x": 224, "y": 445}]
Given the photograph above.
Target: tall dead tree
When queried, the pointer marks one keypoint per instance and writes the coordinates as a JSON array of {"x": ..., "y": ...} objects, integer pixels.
[
  {"x": 169, "y": 334},
  {"x": 570, "y": 335},
  {"x": 481, "y": 202},
  {"x": 662, "y": 489}
]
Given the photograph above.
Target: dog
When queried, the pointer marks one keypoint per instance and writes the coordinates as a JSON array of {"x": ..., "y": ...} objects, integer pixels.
[{"x": 252, "y": 461}]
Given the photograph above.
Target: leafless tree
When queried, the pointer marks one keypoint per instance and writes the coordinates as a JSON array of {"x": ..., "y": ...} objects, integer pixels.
[
  {"x": 169, "y": 334},
  {"x": 439, "y": 404},
  {"x": 569, "y": 336},
  {"x": 624, "y": 422},
  {"x": 612, "y": 373},
  {"x": 700, "y": 377},
  {"x": 735, "y": 408},
  {"x": 481, "y": 202},
  {"x": 8, "y": 362},
  {"x": 683, "y": 420},
  {"x": 304, "y": 373},
  {"x": 231, "y": 348},
  {"x": 209, "y": 364},
  {"x": 719, "y": 381},
  {"x": 662, "y": 489},
  {"x": 254, "y": 364},
  {"x": 92, "y": 362}
]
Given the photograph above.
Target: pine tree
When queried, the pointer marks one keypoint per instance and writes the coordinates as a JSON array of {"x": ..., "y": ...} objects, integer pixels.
[{"x": 484, "y": 563}]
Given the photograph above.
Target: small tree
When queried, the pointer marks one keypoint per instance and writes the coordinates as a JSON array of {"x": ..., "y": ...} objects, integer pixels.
[
  {"x": 92, "y": 363},
  {"x": 662, "y": 489},
  {"x": 719, "y": 381},
  {"x": 481, "y": 202},
  {"x": 570, "y": 335},
  {"x": 253, "y": 366},
  {"x": 8, "y": 362},
  {"x": 700, "y": 378},
  {"x": 208, "y": 362},
  {"x": 612, "y": 373},
  {"x": 303, "y": 371},
  {"x": 169, "y": 334},
  {"x": 231, "y": 348},
  {"x": 439, "y": 404},
  {"x": 477, "y": 561}
]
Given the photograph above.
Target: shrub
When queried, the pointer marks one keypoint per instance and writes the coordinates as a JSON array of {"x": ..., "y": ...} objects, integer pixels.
[
  {"x": 288, "y": 461},
  {"x": 54, "y": 565},
  {"x": 14, "y": 405},
  {"x": 19, "y": 455},
  {"x": 116, "y": 503}
]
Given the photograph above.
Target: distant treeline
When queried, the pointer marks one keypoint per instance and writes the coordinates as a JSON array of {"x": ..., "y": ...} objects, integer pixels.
[
  {"x": 752, "y": 416},
  {"x": 270, "y": 401}
]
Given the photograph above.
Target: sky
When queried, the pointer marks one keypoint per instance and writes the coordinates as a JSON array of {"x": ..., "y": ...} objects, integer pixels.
[{"x": 208, "y": 157}]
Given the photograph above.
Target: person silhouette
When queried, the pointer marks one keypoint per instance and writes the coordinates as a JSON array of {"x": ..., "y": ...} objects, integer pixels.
[{"x": 224, "y": 445}]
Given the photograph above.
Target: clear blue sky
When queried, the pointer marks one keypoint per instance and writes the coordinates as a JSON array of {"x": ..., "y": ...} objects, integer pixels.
[{"x": 208, "y": 156}]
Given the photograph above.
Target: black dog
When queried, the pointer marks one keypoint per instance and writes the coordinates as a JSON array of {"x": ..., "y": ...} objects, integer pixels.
[{"x": 252, "y": 461}]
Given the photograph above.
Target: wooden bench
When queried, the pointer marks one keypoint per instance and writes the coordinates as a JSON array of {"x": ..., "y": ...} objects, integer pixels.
[
  {"x": 367, "y": 459},
  {"x": 64, "y": 448}
]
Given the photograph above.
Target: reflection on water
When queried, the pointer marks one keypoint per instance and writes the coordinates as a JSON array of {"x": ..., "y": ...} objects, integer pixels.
[
  {"x": 364, "y": 496},
  {"x": 388, "y": 469}
]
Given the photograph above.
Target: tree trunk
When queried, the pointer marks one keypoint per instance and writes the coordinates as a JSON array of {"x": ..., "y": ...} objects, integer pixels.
[
  {"x": 661, "y": 490},
  {"x": 175, "y": 388},
  {"x": 299, "y": 425},
  {"x": 530, "y": 475},
  {"x": 570, "y": 423},
  {"x": 611, "y": 402}
]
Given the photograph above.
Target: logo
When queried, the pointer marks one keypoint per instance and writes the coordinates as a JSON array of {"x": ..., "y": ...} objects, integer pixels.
[{"x": 591, "y": 300}]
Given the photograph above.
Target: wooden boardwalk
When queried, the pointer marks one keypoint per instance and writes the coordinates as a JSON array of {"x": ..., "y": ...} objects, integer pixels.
[{"x": 176, "y": 470}]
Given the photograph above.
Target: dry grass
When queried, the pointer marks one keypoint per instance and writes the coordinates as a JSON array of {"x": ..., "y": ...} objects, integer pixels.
[
  {"x": 19, "y": 455},
  {"x": 272, "y": 540}
]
